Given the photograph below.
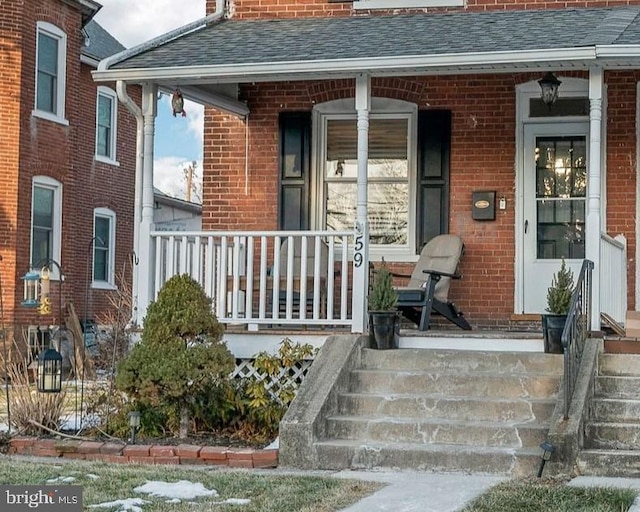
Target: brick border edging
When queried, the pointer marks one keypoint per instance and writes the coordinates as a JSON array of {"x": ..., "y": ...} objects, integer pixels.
[{"x": 145, "y": 454}]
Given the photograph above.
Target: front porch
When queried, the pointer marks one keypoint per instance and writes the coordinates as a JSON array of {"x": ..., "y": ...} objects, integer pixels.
[{"x": 288, "y": 281}]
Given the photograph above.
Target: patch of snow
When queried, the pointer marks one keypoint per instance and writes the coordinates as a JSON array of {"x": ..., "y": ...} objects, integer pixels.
[
  {"x": 274, "y": 445},
  {"x": 92, "y": 476},
  {"x": 74, "y": 422},
  {"x": 182, "y": 489},
  {"x": 234, "y": 501},
  {"x": 4, "y": 427},
  {"x": 62, "y": 480},
  {"x": 174, "y": 500},
  {"x": 126, "y": 505}
]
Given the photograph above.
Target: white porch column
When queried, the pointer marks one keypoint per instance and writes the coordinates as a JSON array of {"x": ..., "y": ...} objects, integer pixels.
[
  {"x": 592, "y": 249},
  {"x": 145, "y": 254},
  {"x": 361, "y": 250}
]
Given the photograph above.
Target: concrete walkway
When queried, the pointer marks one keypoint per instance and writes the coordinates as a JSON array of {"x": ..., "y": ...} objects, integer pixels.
[{"x": 436, "y": 492}]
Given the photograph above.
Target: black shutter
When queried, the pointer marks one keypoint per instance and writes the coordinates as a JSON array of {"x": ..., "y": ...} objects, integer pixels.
[
  {"x": 434, "y": 145},
  {"x": 295, "y": 161}
]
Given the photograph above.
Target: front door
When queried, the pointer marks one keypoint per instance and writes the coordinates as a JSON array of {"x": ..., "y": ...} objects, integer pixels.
[{"x": 554, "y": 206}]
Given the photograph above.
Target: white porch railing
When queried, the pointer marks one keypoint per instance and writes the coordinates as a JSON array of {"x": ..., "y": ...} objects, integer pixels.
[
  {"x": 254, "y": 279},
  {"x": 613, "y": 276}
]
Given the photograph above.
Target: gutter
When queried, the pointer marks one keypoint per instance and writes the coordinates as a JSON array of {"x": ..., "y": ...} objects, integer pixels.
[
  {"x": 248, "y": 72},
  {"x": 163, "y": 38},
  {"x": 123, "y": 96}
]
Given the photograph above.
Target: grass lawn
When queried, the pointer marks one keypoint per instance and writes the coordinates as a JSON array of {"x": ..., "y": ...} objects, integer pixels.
[
  {"x": 110, "y": 482},
  {"x": 549, "y": 495}
]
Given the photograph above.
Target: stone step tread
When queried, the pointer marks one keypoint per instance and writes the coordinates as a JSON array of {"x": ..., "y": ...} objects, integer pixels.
[
  {"x": 455, "y": 372},
  {"x": 436, "y": 447},
  {"x": 614, "y": 424},
  {"x": 610, "y": 452},
  {"x": 619, "y": 365},
  {"x": 439, "y": 421},
  {"x": 443, "y": 396}
]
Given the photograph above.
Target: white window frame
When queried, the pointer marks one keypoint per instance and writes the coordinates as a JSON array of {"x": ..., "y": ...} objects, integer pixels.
[
  {"x": 110, "y": 94},
  {"x": 109, "y": 284},
  {"x": 42, "y": 27},
  {"x": 380, "y": 108},
  {"x": 404, "y": 4},
  {"x": 56, "y": 245}
]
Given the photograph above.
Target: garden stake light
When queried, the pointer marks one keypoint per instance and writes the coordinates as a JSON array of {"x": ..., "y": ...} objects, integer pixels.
[
  {"x": 134, "y": 423},
  {"x": 547, "y": 450}
]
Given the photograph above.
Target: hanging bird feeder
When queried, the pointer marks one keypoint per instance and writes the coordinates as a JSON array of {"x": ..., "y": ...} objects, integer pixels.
[{"x": 177, "y": 103}]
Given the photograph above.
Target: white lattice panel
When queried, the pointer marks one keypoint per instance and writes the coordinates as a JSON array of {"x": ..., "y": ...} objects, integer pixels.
[{"x": 286, "y": 377}]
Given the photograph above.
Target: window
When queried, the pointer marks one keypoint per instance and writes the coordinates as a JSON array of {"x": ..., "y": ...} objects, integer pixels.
[
  {"x": 46, "y": 220},
  {"x": 104, "y": 229},
  {"x": 106, "y": 112},
  {"x": 391, "y": 180},
  {"x": 51, "y": 50},
  {"x": 408, "y": 173},
  {"x": 389, "y": 199},
  {"x": 405, "y": 4}
]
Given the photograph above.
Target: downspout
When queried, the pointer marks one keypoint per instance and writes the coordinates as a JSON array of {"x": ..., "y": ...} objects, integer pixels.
[
  {"x": 163, "y": 38},
  {"x": 125, "y": 99}
]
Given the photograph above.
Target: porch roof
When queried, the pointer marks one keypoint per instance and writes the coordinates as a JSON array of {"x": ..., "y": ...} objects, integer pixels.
[{"x": 237, "y": 50}]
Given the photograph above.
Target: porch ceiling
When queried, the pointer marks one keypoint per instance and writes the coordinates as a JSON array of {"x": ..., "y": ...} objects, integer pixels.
[{"x": 242, "y": 51}]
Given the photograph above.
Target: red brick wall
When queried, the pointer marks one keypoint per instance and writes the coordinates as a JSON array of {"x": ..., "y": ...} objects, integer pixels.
[
  {"x": 33, "y": 146},
  {"x": 482, "y": 158},
  {"x": 299, "y": 8},
  {"x": 11, "y": 40}
]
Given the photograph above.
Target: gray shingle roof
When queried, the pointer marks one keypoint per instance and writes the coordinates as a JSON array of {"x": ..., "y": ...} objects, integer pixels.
[
  {"x": 101, "y": 43},
  {"x": 232, "y": 41}
]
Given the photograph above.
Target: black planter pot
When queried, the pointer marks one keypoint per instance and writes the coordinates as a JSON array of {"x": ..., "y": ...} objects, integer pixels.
[
  {"x": 384, "y": 329},
  {"x": 552, "y": 327}
]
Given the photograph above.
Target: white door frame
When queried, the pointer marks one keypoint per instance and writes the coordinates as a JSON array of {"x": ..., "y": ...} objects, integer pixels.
[{"x": 570, "y": 87}]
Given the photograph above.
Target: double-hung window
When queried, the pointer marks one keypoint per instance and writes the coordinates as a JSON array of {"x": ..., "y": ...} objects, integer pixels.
[
  {"x": 391, "y": 190},
  {"x": 407, "y": 173},
  {"x": 106, "y": 116},
  {"x": 104, "y": 231},
  {"x": 46, "y": 220},
  {"x": 51, "y": 54}
]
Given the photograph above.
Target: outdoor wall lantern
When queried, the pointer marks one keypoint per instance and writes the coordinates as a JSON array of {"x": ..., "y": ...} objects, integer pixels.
[
  {"x": 50, "y": 371},
  {"x": 549, "y": 88},
  {"x": 134, "y": 423},
  {"x": 31, "y": 284},
  {"x": 547, "y": 450}
]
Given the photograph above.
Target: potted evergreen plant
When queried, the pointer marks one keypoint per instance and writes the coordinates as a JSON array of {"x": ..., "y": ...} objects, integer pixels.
[
  {"x": 384, "y": 323},
  {"x": 559, "y": 296}
]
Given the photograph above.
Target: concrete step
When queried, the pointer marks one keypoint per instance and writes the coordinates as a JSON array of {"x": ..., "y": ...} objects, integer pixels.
[
  {"x": 462, "y": 361},
  {"x": 343, "y": 454},
  {"x": 465, "y": 384},
  {"x": 617, "y": 387},
  {"x": 619, "y": 364},
  {"x": 614, "y": 436},
  {"x": 425, "y": 406},
  {"x": 436, "y": 431},
  {"x": 617, "y": 410},
  {"x": 612, "y": 463}
]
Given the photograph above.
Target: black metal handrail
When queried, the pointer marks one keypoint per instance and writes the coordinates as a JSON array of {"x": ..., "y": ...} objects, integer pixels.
[{"x": 575, "y": 331}]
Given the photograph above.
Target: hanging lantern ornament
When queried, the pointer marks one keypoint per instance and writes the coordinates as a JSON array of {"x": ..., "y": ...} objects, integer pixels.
[
  {"x": 50, "y": 371},
  {"x": 31, "y": 284},
  {"x": 177, "y": 103},
  {"x": 549, "y": 88}
]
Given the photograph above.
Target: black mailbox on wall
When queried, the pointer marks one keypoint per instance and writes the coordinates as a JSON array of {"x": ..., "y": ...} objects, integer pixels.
[{"x": 484, "y": 205}]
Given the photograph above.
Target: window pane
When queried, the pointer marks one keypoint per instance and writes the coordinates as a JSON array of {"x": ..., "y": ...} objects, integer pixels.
[
  {"x": 389, "y": 213},
  {"x": 105, "y": 106},
  {"x": 47, "y": 74},
  {"x": 47, "y": 54},
  {"x": 561, "y": 185},
  {"x": 101, "y": 248},
  {"x": 43, "y": 207},
  {"x": 388, "y": 173},
  {"x": 41, "y": 245}
]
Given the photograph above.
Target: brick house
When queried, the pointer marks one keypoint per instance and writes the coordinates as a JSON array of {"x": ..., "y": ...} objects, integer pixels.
[
  {"x": 67, "y": 193},
  {"x": 440, "y": 100}
]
